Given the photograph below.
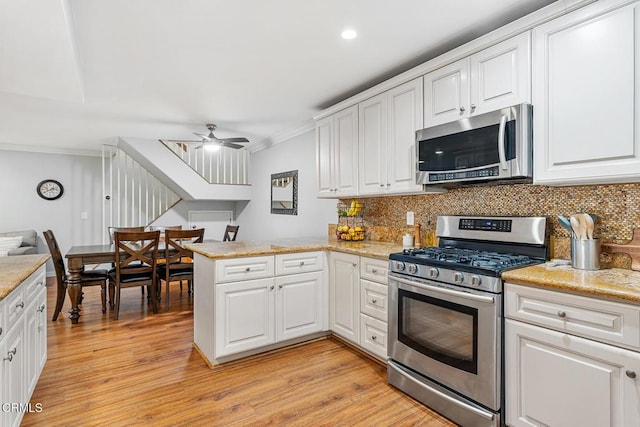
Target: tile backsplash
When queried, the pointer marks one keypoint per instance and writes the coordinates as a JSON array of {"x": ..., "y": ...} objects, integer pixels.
[{"x": 617, "y": 208}]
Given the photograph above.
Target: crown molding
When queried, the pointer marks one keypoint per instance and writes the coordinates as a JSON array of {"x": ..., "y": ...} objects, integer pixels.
[
  {"x": 285, "y": 135},
  {"x": 49, "y": 150}
]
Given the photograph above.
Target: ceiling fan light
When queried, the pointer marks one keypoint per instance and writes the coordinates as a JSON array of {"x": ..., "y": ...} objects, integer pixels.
[{"x": 211, "y": 147}]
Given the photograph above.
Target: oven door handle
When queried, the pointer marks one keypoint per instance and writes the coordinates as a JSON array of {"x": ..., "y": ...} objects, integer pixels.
[
  {"x": 437, "y": 289},
  {"x": 501, "y": 154}
]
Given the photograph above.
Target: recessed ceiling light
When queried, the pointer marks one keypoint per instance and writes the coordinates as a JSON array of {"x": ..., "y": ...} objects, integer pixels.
[{"x": 349, "y": 34}]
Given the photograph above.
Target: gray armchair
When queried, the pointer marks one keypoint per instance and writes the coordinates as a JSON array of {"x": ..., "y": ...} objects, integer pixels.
[{"x": 29, "y": 244}]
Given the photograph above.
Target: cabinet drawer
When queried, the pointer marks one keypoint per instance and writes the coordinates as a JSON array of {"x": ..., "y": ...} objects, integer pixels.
[
  {"x": 14, "y": 306},
  {"x": 603, "y": 320},
  {"x": 374, "y": 269},
  {"x": 302, "y": 262},
  {"x": 237, "y": 269},
  {"x": 373, "y": 299},
  {"x": 34, "y": 283},
  {"x": 373, "y": 336}
]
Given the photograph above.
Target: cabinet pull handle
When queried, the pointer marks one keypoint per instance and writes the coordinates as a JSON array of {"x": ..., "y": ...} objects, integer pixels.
[
  {"x": 20, "y": 304},
  {"x": 631, "y": 374},
  {"x": 41, "y": 308},
  {"x": 10, "y": 354},
  {"x": 562, "y": 314},
  {"x": 381, "y": 185}
]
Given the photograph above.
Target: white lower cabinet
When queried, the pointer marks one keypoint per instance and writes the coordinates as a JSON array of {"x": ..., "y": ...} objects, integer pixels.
[
  {"x": 23, "y": 345},
  {"x": 250, "y": 314},
  {"x": 555, "y": 378},
  {"x": 344, "y": 295}
]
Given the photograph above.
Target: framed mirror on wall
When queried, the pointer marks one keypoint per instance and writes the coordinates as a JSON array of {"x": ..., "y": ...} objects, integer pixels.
[{"x": 284, "y": 193}]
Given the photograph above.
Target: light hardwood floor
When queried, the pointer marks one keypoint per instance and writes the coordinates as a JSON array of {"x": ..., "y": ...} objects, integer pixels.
[{"x": 143, "y": 370}]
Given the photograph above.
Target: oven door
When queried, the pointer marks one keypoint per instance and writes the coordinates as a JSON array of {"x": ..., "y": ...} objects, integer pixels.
[{"x": 448, "y": 335}]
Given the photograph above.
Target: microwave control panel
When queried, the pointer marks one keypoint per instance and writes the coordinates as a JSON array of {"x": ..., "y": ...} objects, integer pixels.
[{"x": 479, "y": 173}]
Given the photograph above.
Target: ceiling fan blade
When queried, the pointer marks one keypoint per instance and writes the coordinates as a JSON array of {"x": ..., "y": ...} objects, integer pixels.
[
  {"x": 182, "y": 141},
  {"x": 237, "y": 139},
  {"x": 203, "y": 136},
  {"x": 198, "y": 147},
  {"x": 231, "y": 145}
]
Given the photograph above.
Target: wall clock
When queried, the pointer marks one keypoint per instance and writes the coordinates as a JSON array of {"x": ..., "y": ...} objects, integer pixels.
[{"x": 50, "y": 189}]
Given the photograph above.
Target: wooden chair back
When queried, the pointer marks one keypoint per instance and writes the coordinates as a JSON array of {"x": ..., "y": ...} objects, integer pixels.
[
  {"x": 56, "y": 258},
  {"x": 176, "y": 255},
  {"x": 114, "y": 229},
  {"x": 230, "y": 229},
  {"x": 136, "y": 253}
]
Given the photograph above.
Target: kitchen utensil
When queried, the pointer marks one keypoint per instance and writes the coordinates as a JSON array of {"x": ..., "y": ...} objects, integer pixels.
[
  {"x": 564, "y": 223},
  {"x": 631, "y": 248},
  {"x": 588, "y": 225},
  {"x": 576, "y": 227},
  {"x": 585, "y": 254}
]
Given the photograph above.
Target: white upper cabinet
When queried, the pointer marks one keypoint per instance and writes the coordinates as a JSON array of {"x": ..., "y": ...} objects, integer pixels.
[
  {"x": 337, "y": 154},
  {"x": 586, "y": 97},
  {"x": 494, "y": 78},
  {"x": 387, "y": 125}
]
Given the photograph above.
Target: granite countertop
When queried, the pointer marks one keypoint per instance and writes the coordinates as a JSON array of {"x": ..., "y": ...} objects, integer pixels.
[
  {"x": 371, "y": 249},
  {"x": 14, "y": 269},
  {"x": 613, "y": 283}
]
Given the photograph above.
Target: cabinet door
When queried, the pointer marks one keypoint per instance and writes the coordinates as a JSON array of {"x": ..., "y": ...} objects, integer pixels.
[
  {"x": 405, "y": 116},
  {"x": 300, "y": 305},
  {"x": 244, "y": 316},
  {"x": 13, "y": 372},
  {"x": 556, "y": 379},
  {"x": 324, "y": 157},
  {"x": 36, "y": 339},
  {"x": 372, "y": 149},
  {"x": 373, "y": 336},
  {"x": 345, "y": 159},
  {"x": 501, "y": 75},
  {"x": 344, "y": 296},
  {"x": 446, "y": 93},
  {"x": 585, "y": 93}
]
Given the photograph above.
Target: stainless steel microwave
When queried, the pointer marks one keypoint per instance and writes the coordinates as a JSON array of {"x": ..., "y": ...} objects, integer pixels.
[{"x": 490, "y": 146}]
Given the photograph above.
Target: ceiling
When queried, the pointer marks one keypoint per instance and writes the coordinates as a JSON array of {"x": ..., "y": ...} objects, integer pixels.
[{"x": 75, "y": 74}]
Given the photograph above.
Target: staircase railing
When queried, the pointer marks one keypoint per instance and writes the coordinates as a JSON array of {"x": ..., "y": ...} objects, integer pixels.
[
  {"x": 224, "y": 166},
  {"x": 132, "y": 196}
]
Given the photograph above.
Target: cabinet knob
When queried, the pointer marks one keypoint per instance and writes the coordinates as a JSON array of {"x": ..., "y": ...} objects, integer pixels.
[
  {"x": 354, "y": 264},
  {"x": 381, "y": 185},
  {"x": 301, "y": 263},
  {"x": 462, "y": 109},
  {"x": 10, "y": 355},
  {"x": 271, "y": 287},
  {"x": 562, "y": 314},
  {"x": 373, "y": 301},
  {"x": 373, "y": 337},
  {"x": 0, "y": 330},
  {"x": 374, "y": 270},
  {"x": 631, "y": 374},
  {"x": 473, "y": 107},
  {"x": 279, "y": 286},
  {"x": 247, "y": 269},
  {"x": 388, "y": 184},
  {"x": 20, "y": 304},
  {"x": 41, "y": 308}
]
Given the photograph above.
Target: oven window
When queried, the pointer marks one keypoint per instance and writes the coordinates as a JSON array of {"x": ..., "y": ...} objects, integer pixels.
[
  {"x": 466, "y": 150},
  {"x": 439, "y": 329}
]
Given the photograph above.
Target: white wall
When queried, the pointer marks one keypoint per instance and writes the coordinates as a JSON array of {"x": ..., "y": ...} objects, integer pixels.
[
  {"x": 22, "y": 209},
  {"x": 255, "y": 218}
]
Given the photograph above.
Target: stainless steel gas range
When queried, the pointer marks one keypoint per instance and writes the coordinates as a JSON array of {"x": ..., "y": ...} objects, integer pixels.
[{"x": 445, "y": 316}]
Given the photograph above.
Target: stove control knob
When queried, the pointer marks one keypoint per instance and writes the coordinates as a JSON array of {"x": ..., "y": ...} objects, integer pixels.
[
  {"x": 413, "y": 269},
  {"x": 458, "y": 277},
  {"x": 433, "y": 273},
  {"x": 400, "y": 266},
  {"x": 475, "y": 280}
]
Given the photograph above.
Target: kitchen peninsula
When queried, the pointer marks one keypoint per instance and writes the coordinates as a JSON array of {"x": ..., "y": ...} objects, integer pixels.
[{"x": 254, "y": 296}]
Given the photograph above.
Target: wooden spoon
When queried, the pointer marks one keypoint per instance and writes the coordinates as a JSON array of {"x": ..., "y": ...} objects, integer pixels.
[
  {"x": 588, "y": 225},
  {"x": 575, "y": 225}
]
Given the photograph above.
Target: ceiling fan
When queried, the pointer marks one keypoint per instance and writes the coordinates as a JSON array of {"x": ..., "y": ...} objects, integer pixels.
[{"x": 211, "y": 142}]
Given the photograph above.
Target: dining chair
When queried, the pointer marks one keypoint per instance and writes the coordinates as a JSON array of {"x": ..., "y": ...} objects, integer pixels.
[
  {"x": 87, "y": 278},
  {"x": 178, "y": 264},
  {"x": 114, "y": 229},
  {"x": 230, "y": 229},
  {"x": 136, "y": 255}
]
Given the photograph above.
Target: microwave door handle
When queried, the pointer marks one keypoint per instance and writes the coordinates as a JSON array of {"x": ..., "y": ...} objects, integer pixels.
[{"x": 501, "y": 155}]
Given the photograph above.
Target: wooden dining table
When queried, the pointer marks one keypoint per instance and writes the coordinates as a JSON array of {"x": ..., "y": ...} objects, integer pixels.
[{"x": 77, "y": 258}]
